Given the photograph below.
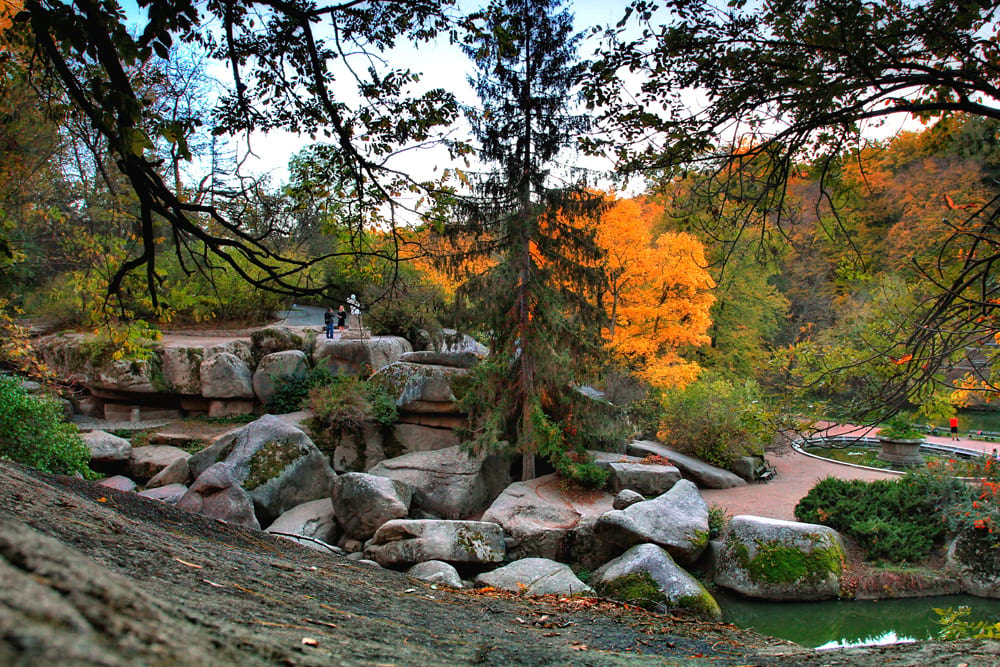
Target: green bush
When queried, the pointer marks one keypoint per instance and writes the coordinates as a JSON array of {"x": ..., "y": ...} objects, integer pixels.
[
  {"x": 897, "y": 520},
  {"x": 32, "y": 432},
  {"x": 345, "y": 405},
  {"x": 290, "y": 393},
  {"x": 718, "y": 420}
]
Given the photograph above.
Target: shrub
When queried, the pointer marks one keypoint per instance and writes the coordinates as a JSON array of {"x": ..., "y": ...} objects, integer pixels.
[
  {"x": 896, "y": 520},
  {"x": 32, "y": 432},
  {"x": 718, "y": 519},
  {"x": 345, "y": 405},
  {"x": 718, "y": 420},
  {"x": 290, "y": 393}
]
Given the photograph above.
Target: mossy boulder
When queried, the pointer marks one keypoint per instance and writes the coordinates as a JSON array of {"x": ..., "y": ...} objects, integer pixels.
[
  {"x": 277, "y": 367},
  {"x": 361, "y": 356},
  {"x": 780, "y": 560},
  {"x": 406, "y": 542},
  {"x": 535, "y": 576},
  {"x": 277, "y": 339},
  {"x": 182, "y": 368},
  {"x": 974, "y": 559},
  {"x": 648, "y": 577}
]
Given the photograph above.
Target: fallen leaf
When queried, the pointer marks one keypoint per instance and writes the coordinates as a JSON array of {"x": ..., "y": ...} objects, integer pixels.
[
  {"x": 309, "y": 641},
  {"x": 102, "y": 499},
  {"x": 184, "y": 562},
  {"x": 212, "y": 583},
  {"x": 579, "y": 647}
]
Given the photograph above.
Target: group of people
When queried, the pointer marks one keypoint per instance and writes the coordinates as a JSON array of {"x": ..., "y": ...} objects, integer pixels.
[{"x": 329, "y": 317}]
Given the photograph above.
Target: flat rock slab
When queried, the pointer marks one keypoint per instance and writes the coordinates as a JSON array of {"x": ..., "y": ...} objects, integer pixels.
[
  {"x": 406, "y": 542},
  {"x": 535, "y": 576},
  {"x": 705, "y": 475},
  {"x": 629, "y": 472}
]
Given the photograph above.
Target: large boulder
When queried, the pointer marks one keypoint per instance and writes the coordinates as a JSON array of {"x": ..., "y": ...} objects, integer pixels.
[
  {"x": 363, "y": 502},
  {"x": 182, "y": 368},
  {"x": 177, "y": 472},
  {"x": 676, "y": 520},
  {"x": 418, "y": 438},
  {"x": 541, "y": 519},
  {"x": 435, "y": 358},
  {"x": 449, "y": 483},
  {"x": 362, "y": 356},
  {"x": 236, "y": 347},
  {"x": 137, "y": 376},
  {"x": 218, "y": 494},
  {"x": 170, "y": 494},
  {"x": 118, "y": 483},
  {"x": 225, "y": 375},
  {"x": 975, "y": 562},
  {"x": 106, "y": 448},
  {"x": 629, "y": 472},
  {"x": 358, "y": 451},
  {"x": 314, "y": 519},
  {"x": 450, "y": 340},
  {"x": 419, "y": 387},
  {"x": 780, "y": 560},
  {"x": 278, "y": 338},
  {"x": 646, "y": 573},
  {"x": 148, "y": 461},
  {"x": 277, "y": 464},
  {"x": 535, "y": 576},
  {"x": 705, "y": 475},
  {"x": 278, "y": 367},
  {"x": 406, "y": 542}
]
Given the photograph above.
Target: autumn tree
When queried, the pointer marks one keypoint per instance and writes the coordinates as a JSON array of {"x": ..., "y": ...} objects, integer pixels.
[
  {"x": 659, "y": 293},
  {"x": 800, "y": 81},
  {"x": 530, "y": 298}
]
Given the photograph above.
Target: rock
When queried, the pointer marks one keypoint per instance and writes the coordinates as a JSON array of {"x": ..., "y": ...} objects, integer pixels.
[
  {"x": 745, "y": 467},
  {"x": 359, "y": 357},
  {"x": 676, "y": 520},
  {"x": 178, "y": 472},
  {"x": 780, "y": 560},
  {"x": 416, "y": 438},
  {"x": 218, "y": 494},
  {"x": 238, "y": 348},
  {"x": 135, "y": 375},
  {"x": 452, "y": 341},
  {"x": 358, "y": 452},
  {"x": 535, "y": 576},
  {"x": 648, "y": 573},
  {"x": 146, "y": 462},
  {"x": 705, "y": 475},
  {"x": 118, "y": 482},
  {"x": 448, "y": 482},
  {"x": 436, "y": 572},
  {"x": 107, "y": 448},
  {"x": 405, "y": 542},
  {"x": 170, "y": 494},
  {"x": 225, "y": 375},
  {"x": 629, "y": 472},
  {"x": 91, "y": 406},
  {"x": 542, "y": 520},
  {"x": 364, "y": 502},
  {"x": 432, "y": 358},
  {"x": 277, "y": 338},
  {"x": 277, "y": 464},
  {"x": 420, "y": 387},
  {"x": 313, "y": 519},
  {"x": 976, "y": 564},
  {"x": 277, "y": 367},
  {"x": 626, "y": 498},
  {"x": 230, "y": 407},
  {"x": 182, "y": 368}
]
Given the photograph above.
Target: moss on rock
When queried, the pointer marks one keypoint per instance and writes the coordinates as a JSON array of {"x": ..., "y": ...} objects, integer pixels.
[
  {"x": 777, "y": 563},
  {"x": 269, "y": 461},
  {"x": 638, "y": 588}
]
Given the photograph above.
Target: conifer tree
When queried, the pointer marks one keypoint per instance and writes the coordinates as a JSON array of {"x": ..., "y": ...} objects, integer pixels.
[{"x": 531, "y": 296}]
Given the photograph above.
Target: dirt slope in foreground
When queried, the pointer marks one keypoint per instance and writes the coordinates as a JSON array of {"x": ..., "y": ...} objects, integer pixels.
[{"x": 93, "y": 576}]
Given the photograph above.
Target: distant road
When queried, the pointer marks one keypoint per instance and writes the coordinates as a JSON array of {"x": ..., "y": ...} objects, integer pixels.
[{"x": 302, "y": 316}]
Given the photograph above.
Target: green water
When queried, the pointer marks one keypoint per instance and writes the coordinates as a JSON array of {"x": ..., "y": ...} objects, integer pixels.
[{"x": 814, "y": 624}]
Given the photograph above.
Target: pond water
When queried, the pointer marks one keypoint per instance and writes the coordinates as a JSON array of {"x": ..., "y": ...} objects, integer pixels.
[{"x": 848, "y": 622}]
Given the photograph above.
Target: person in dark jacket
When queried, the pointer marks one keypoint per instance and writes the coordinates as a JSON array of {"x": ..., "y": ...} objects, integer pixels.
[{"x": 328, "y": 320}]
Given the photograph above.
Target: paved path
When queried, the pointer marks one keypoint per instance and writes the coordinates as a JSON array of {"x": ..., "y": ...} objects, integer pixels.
[{"x": 797, "y": 473}]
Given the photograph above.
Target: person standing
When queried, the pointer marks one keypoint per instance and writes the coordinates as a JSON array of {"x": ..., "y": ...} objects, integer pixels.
[
  {"x": 953, "y": 423},
  {"x": 341, "y": 317},
  {"x": 328, "y": 320}
]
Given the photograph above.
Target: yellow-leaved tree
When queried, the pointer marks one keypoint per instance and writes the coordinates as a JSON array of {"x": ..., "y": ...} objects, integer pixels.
[{"x": 658, "y": 293}]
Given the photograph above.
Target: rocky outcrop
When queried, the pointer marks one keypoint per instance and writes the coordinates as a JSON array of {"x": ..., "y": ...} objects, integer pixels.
[
  {"x": 147, "y": 462},
  {"x": 106, "y": 448},
  {"x": 314, "y": 519},
  {"x": 630, "y": 472},
  {"x": 218, "y": 494},
  {"x": 449, "y": 483},
  {"x": 701, "y": 473},
  {"x": 277, "y": 464},
  {"x": 974, "y": 560},
  {"x": 419, "y": 387},
  {"x": 278, "y": 367},
  {"x": 363, "y": 502},
  {"x": 780, "y": 560},
  {"x": 626, "y": 498},
  {"x": 676, "y": 520},
  {"x": 462, "y": 359},
  {"x": 436, "y": 572},
  {"x": 238, "y": 348},
  {"x": 278, "y": 338},
  {"x": 542, "y": 520},
  {"x": 136, "y": 376},
  {"x": 225, "y": 375},
  {"x": 535, "y": 576},
  {"x": 359, "y": 356},
  {"x": 647, "y": 574},
  {"x": 406, "y": 542},
  {"x": 177, "y": 472}
]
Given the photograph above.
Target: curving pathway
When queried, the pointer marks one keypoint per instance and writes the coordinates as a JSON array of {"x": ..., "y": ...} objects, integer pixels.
[{"x": 798, "y": 473}]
